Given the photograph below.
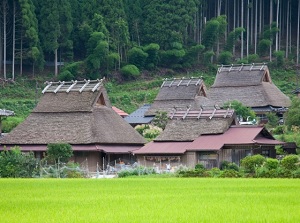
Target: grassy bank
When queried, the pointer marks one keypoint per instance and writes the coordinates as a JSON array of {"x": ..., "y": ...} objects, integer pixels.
[{"x": 149, "y": 200}]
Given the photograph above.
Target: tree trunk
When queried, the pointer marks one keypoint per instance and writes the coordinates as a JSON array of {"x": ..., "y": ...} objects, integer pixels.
[
  {"x": 55, "y": 63},
  {"x": 21, "y": 55},
  {"x": 255, "y": 27},
  {"x": 248, "y": 29},
  {"x": 287, "y": 30},
  {"x": 242, "y": 25},
  {"x": 271, "y": 20},
  {"x": 277, "y": 25},
  {"x": 14, "y": 41},
  {"x": 4, "y": 39},
  {"x": 298, "y": 32}
]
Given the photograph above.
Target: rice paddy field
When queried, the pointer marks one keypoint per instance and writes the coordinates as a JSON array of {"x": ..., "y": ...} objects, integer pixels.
[{"x": 149, "y": 200}]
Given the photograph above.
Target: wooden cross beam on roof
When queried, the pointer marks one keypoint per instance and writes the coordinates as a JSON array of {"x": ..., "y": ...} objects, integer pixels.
[
  {"x": 71, "y": 86},
  {"x": 58, "y": 87},
  {"x": 86, "y": 83},
  {"x": 46, "y": 88},
  {"x": 187, "y": 112}
]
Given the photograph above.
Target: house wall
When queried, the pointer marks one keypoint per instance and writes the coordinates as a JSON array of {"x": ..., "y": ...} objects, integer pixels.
[
  {"x": 208, "y": 159},
  {"x": 160, "y": 161},
  {"x": 234, "y": 154},
  {"x": 189, "y": 159},
  {"x": 88, "y": 160}
]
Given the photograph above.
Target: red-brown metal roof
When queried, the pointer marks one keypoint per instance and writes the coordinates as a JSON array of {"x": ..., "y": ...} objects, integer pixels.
[
  {"x": 119, "y": 111},
  {"x": 163, "y": 148},
  {"x": 238, "y": 135}
]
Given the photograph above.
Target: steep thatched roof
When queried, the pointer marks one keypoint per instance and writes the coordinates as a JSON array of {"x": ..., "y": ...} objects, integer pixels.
[
  {"x": 179, "y": 92},
  {"x": 249, "y": 84},
  {"x": 188, "y": 125},
  {"x": 74, "y": 117}
]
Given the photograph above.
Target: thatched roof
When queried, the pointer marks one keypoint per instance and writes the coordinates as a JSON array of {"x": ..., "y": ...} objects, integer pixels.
[
  {"x": 179, "y": 92},
  {"x": 188, "y": 126},
  {"x": 76, "y": 118},
  {"x": 249, "y": 84}
]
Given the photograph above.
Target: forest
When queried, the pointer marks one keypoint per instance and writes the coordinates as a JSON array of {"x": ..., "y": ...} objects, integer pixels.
[{"x": 96, "y": 38}]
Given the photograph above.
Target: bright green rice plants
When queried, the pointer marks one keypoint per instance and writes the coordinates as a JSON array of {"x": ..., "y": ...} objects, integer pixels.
[
  {"x": 251, "y": 163},
  {"x": 290, "y": 162}
]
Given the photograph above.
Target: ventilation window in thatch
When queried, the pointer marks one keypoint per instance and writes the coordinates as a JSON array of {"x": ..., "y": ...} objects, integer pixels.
[{"x": 101, "y": 100}]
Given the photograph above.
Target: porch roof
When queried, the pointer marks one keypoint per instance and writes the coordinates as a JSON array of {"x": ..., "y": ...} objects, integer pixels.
[{"x": 163, "y": 148}]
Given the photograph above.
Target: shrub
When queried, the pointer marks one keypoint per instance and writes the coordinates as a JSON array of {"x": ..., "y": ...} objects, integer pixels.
[
  {"x": 250, "y": 163},
  {"x": 59, "y": 152},
  {"x": 225, "y": 57},
  {"x": 65, "y": 76},
  {"x": 230, "y": 174},
  {"x": 14, "y": 163},
  {"x": 296, "y": 173},
  {"x": 130, "y": 71},
  {"x": 225, "y": 165},
  {"x": 215, "y": 172},
  {"x": 192, "y": 173},
  {"x": 289, "y": 162},
  {"x": 137, "y": 57},
  {"x": 271, "y": 163},
  {"x": 199, "y": 166}
]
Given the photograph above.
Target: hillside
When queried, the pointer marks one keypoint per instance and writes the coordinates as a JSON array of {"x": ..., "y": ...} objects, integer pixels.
[{"x": 22, "y": 96}]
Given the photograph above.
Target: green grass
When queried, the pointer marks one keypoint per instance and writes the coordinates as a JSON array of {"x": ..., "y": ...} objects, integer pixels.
[{"x": 149, "y": 200}]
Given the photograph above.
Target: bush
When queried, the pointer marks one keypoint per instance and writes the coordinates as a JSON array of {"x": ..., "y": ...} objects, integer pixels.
[
  {"x": 271, "y": 163},
  {"x": 250, "y": 163},
  {"x": 215, "y": 172},
  {"x": 65, "y": 76},
  {"x": 137, "y": 57},
  {"x": 225, "y": 165},
  {"x": 230, "y": 174},
  {"x": 59, "y": 152},
  {"x": 130, "y": 72},
  {"x": 225, "y": 58},
  {"x": 199, "y": 166},
  {"x": 289, "y": 162},
  {"x": 192, "y": 173},
  {"x": 14, "y": 163}
]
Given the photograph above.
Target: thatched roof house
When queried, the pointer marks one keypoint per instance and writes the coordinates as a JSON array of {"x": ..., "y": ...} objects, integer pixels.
[
  {"x": 78, "y": 113},
  {"x": 184, "y": 92},
  {"x": 208, "y": 137},
  {"x": 250, "y": 84}
]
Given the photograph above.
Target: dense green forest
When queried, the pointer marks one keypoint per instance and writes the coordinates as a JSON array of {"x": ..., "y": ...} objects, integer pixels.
[{"x": 97, "y": 38}]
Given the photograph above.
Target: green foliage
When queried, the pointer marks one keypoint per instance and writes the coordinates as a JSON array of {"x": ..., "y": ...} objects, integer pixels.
[
  {"x": 273, "y": 119},
  {"x": 199, "y": 166},
  {"x": 250, "y": 163},
  {"x": 150, "y": 132},
  {"x": 65, "y": 76},
  {"x": 293, "y": 115},
  {"x": 263, "y": 47},
  {"x": 290, "y": 162},
  {"x": 225, "y": 165},
  {"x": 160, "y": 120},
  {"x": 138, "y": 171},
  {"x": 229, "y": 173},
  {"x": 240, "y": 109},
  {"x": 15, "y": 164},
  {"x": 130, "y": 72},
  {"x": 59, "y": 152},
  {"x": 271, "y": 163},
  {"x": 137, "y": 57},
  {"x": 225, "y": 58},
  {"x": 192, "y": 173},
  {"x": 233, "y": 36},
  {"x": 253, "y": 58},
  {"x": 153, "y": 55},
  {"x": 279, "y": 58}
]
